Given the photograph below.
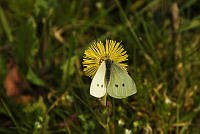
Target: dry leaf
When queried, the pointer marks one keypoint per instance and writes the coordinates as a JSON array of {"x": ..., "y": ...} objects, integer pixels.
[{"x": 12, "y": 80}]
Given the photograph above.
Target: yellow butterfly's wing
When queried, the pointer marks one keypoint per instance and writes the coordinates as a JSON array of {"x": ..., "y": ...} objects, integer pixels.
[
  {"x": 121, "y": 85},
  {"x": 98, "y": 87}
]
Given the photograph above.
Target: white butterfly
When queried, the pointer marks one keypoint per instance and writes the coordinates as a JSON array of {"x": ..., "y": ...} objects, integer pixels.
[{"x": 111, "y": 78}]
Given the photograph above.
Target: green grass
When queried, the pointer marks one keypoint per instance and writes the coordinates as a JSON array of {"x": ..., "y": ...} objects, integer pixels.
[{"x": 47, "y": 38}]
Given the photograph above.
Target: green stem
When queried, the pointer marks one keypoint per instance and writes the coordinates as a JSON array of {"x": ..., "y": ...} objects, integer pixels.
[
  {"x": 107, "y": 121},
  {"x": 107, "y": 129},
  {"x": 107, "y": 115}
]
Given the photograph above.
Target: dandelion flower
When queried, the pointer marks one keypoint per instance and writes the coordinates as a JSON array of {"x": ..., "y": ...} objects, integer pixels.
[{"x": 99, "y": 52}]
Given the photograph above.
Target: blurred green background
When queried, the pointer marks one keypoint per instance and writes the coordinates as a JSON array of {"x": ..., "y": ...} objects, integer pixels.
[{"x": 42, "y": 85}]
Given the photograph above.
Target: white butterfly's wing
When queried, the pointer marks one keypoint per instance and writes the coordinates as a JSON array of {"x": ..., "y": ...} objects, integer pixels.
[
  {"x": 121, "y": 85},
  {"x": 97, "y": 87}
]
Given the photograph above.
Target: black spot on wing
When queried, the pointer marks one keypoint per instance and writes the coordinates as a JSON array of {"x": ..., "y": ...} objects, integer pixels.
[
  {"x": 123, "y": 85},
  {"x": 99, "y": 85}
]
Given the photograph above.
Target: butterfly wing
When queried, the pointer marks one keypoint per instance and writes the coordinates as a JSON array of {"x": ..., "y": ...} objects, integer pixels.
[
  {"x": 97, "y": 87},
  {"x": 121, "y": 85}
]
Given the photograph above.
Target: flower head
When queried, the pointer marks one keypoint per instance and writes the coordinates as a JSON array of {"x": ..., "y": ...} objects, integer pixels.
[{"x": 99, "y": 52}]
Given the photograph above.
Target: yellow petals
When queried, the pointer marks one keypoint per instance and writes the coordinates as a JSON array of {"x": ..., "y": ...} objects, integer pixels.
[{"x": 99, "y": 52}]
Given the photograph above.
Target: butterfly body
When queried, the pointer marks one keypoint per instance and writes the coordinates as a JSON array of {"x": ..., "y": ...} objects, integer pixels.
[
  {"x": 111, "y": 78},
  {"x": 108, "y": 69}
]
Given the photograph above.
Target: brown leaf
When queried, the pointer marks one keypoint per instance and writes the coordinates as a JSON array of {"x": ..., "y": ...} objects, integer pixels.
[{"x": 12, "y": 80}]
